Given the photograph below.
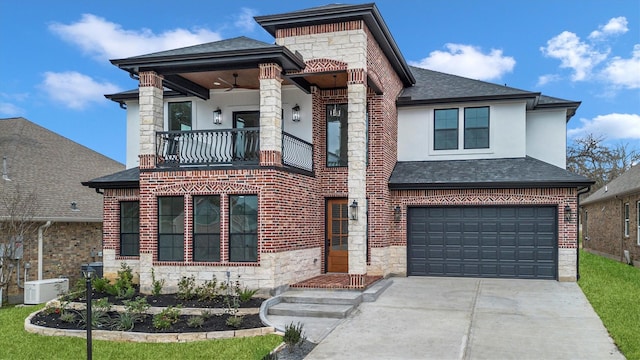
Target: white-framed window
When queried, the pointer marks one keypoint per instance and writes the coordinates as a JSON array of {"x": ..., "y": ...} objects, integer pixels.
[
  {"x": 626, "y": 219},
  {"x": 638, "y": 221}
]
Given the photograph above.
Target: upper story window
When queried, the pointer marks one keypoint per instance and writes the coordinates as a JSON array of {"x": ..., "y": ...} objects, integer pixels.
[
  {"x": 206, "y": 228},
  {"x": 475, "y": 124},
  {"x": 337, "y": 135},
  {"x": 445, "y": 134},
  {"x": 130, "y": 228},
  {"x": 171, "y": 228},
  {"x": 476, "y": 128},
  {"x": 180, "y": 116}
]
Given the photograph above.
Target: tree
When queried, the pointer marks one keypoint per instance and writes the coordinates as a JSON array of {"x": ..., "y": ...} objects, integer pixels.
[
  {"x": 17, "y": 229},
  {"x": 588, "y": 156}
]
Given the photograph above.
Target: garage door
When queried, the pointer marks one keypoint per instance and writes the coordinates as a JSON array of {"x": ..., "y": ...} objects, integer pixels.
[{"x": 485, "y": 241}]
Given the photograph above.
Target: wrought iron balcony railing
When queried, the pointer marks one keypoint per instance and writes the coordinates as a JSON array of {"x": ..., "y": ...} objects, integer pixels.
[{"x": 296, "y": 152}]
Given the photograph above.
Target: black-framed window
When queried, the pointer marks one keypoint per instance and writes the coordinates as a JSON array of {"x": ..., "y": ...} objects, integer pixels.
[
  {"x": 445, "y": 129},
  {"x": 171, "y": 228},
  {"x": 206, "y": 228},
  {"x": 337, "y": 135},
  {"x": 180, "y": 116},
  {"x": 626, "y": 219},
  {"x": 476, "y": 128},
  {"x": 243, "y": 228},
  {"x": 129, "y": 228}
]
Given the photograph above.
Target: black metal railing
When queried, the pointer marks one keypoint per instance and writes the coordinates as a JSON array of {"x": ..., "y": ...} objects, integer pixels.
[
  {"x": 296, "y": 152},
  {"x": 207, "y": 147}
]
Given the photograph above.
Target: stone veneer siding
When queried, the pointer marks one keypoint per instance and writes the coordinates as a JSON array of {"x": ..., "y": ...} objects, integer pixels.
[
  {"x": 605, "y": 227},
  {"x": 567, "y": 231},
  {"x": 66, "y": 246}
]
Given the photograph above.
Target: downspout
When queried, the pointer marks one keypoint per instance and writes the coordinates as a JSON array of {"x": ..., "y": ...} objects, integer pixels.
[
  {"x": 41, "y": 246},
  {"x": 580, "y": 192}
]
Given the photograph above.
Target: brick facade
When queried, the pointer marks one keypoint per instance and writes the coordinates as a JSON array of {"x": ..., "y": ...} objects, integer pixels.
[{"x": 604, "y": 227}]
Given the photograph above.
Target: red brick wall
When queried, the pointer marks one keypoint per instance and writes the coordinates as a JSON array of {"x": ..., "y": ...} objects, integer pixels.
[{"x": 605, "y": 227}]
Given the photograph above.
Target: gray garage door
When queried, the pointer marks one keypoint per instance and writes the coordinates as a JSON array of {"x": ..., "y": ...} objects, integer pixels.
[{"x": 484, "y": 241}]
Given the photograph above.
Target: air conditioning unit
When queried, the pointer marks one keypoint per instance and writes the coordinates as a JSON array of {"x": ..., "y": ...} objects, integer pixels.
[{"x": 41, "y": 291}]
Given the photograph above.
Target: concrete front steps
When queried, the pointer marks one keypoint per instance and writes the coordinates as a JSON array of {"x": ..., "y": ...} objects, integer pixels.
[{"x": 318, "y": 310}]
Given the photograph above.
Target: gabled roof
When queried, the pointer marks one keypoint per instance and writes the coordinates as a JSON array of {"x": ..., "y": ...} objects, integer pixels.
[
  {"x": 524, "y": 172},
  {"x": 126, "y": 179},
  {"x": 52, "y": 166},
  {"x": 433, "y": 87},
  {"x": 332, "y": 13},
  {"x": 627, "y": 183}
]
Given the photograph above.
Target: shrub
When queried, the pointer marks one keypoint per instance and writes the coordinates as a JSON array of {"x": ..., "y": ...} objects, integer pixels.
[
  {"x": 100, "y": 284},
  {"x": 246, "y": 294},
  {"x": 206, "y": 314},
  {"x": 68, "y": 316},
  {"x": 156, "y": 284},
  {"x": 99, "y": 317},
  {"x": 167, "y": 317},
  {"x": 124, "y": 322},
  {"x": 186, "y": 288},
  {"x": 136, "y": 308},
  {"x": 293, "y": 335},
  {"x": 208, "y": 290},
  {"x": 234, "y": 321},
  {"x": 195, "y": 322}
]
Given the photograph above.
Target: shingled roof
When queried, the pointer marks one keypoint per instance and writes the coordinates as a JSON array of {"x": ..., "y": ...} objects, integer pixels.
[
  {"x": 627, "y": 183},
  {"x": 524, "y": 172},
  {"x": 52, "y": 166}
]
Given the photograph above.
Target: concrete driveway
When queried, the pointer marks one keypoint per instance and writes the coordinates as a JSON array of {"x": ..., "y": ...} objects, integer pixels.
[{"x": 464, "y": 318}]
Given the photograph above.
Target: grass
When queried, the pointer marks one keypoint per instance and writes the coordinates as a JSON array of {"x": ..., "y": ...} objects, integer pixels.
[
  {"x": 16, "y": 343},
  {"x": 613, "y": 289}
]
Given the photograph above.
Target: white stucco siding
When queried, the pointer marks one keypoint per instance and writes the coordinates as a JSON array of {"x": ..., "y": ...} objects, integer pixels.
[
  {"x": 547, "y": 136},
  {"x": 507, "y": 133},
  {"x": 229, "y": 102}
]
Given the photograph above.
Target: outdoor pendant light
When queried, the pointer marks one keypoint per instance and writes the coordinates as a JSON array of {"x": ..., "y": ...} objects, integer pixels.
[{"x": 295, "y": 113}]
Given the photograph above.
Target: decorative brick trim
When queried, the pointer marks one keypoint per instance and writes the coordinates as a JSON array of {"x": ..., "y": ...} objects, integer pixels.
[
  {"x": 357, "y": 281},
  {"x": 356, "y": 76},
  {"x": 321, "y": 65},
  {"x": 150, "y": 78},
  {"x": 270, "y": 158},
  {"x": 270, "y": 71},
  {"x": 321, "y": 28},
  {"x": 206, "y": 188},
  {"x": 147, "y": 161}
]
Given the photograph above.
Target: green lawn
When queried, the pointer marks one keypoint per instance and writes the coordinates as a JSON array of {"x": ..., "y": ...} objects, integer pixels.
[
  {"x": 16, "y": 343},
  {"x": 613, "y": 289}
]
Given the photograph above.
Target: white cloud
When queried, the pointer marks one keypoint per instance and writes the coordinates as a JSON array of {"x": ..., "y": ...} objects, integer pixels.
[
  {"x": 548, "y": 78},
  {"x": 245, "y": 20},
  {"x": 75, "y": 90},
  {"x": 615, "y": 26},
  {"x": 468, "y": 61},
  {"x": 103, "y": 39},
  {"x": 624, "y": 72},
  {"x": 8, "y": 109},
  {"x": 611, "y": 126},
  {"x": 574, "y": 54}
]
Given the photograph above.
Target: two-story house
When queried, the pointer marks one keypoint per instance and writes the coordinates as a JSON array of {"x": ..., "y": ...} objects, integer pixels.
[{"x": 326, "y": 153}]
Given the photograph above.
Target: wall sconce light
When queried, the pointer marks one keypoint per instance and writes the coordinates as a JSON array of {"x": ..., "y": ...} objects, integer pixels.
[
  {"x": 567, "y": 213},
  {"x": 295, "y": 113},
  {"x": 217, "y": 116},
  {"x": 354, "y": 210},
  {"x": 397, "y": 213}
]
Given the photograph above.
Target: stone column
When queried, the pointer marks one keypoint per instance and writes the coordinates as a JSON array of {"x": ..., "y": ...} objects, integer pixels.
[
  {"x": 270, "y": 115},
  {"x": 151, "y": 116},
  {"x": 357, "y": 183}
]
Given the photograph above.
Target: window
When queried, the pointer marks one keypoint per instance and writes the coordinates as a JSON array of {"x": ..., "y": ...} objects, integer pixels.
[
  {"x": 626, "y": 219},
  {"x": 445, "y": 134},
  {"x": 337, "y": 135},
  {"x": 130, "y": 228},
  {"x": 179, "y": 116},
  {"x": 243, "y": 228},
  {"x": 476, "y": 128},
  {"x": 206, "y": 228},
  {"x": 171, "y": 228},
  {"x": 638, "y": 220}
]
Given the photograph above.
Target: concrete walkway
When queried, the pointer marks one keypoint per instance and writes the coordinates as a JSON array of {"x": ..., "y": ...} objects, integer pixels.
[{"x": 463, "y": 318}]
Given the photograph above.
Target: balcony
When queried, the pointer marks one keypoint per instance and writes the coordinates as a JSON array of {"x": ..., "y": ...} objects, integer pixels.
[{"x": 206, "y": 148}]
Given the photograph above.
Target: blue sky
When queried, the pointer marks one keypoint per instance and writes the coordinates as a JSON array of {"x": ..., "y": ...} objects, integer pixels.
[{"x": 55, "y": 68}]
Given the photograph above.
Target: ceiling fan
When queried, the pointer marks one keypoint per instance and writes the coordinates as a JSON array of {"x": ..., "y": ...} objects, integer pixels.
[{"x": 235, "y": 83}]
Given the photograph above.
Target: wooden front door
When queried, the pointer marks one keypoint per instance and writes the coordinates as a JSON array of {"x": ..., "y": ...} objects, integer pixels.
[{"x": 337, "y": 229}]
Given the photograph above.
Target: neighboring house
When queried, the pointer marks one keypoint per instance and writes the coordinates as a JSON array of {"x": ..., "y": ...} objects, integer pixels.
[
  {"x": 68, "y": 216},
  {"x": 325, "y": 152},
  {"x": 611, "y": 218}
]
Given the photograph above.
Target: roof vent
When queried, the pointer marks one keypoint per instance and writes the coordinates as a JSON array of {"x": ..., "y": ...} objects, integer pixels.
[
  {"x": 5, "y": 173},
  {"x": 606, "y": 188}
]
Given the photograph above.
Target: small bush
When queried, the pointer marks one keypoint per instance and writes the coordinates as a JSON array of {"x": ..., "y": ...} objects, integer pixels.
[
  {"x": 246, "y": 294},
  {"x": 100, "y": 284},
  {"x": 206, "y": 314},
  {"x": 293, "y": 335},
  {"x": 136, "y": 308},
  {"x": 68, "y": 317},
  {"x": 234, "y": 321},
  {"x": 208, "y": 291},
  {"x": 167, "y": 317},
  {"x": 195, "y": 322},
  {"x": 156, "y": 284},
  {"x": 124, "y": 322},
  {"x": 99, "y": 317},
  {"x": 186, "y": 288}
]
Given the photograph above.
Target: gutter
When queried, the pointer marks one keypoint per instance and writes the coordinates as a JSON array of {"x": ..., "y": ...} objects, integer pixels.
[
  {"x": 580, "y": 192},
  {"x": 41, "y": 230}
]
